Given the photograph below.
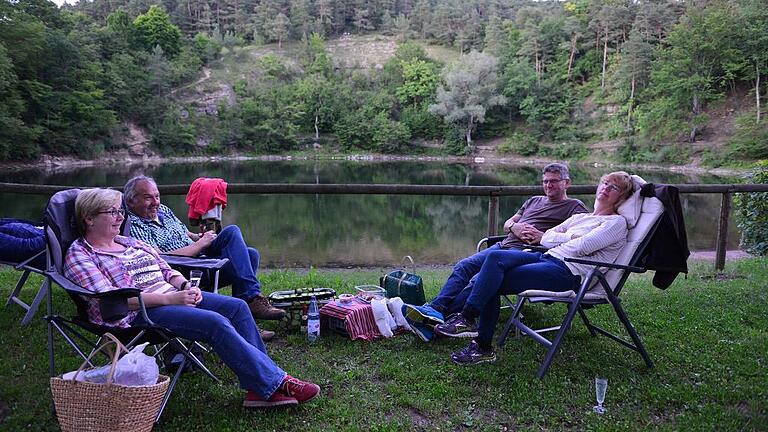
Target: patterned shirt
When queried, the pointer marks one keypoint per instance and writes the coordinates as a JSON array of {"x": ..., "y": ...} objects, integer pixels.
[
  {"x": 167, "y": 232},
  {"x": 139, "y": 266}
]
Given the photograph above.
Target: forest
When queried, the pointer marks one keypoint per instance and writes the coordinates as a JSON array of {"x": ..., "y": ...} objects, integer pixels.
[{"x": 547, "y": 77}]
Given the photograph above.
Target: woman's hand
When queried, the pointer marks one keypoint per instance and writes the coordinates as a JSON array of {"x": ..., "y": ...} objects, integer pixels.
[
  {"x": 184, "y": 298},
  {"x": 198, "y": 295}
]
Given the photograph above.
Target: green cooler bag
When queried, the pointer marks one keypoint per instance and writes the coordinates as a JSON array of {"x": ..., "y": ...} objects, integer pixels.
[{"x": 407, "y": 286}]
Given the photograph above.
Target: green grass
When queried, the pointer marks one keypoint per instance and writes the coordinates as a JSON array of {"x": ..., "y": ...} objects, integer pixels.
[{"x": 707, "y": 336}]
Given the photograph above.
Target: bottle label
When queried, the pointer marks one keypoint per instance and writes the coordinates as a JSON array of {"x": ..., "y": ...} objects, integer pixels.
[{"x": 313, "y": 327}]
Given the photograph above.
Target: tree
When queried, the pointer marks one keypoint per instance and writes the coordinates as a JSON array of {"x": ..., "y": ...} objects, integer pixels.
[
  {"x": 470, "y": 89},
  {"x": 635, "y": 68},
  {"x": 154, "y": 28},
  {"x": 279, "y": 28},
  {"x": 420, "y": 82},
  {"x": 362, "y": 21}
]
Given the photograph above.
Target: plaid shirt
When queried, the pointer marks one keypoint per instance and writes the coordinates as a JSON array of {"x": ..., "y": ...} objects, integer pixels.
[
  {"x": 167, "y": 233},
  {"x": 99, "y": 271}
]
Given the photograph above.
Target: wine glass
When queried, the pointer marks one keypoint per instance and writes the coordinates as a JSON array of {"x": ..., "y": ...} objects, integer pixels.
[
  {"x": 601, "y": 385},
  {"x": 194, "y": 278}
]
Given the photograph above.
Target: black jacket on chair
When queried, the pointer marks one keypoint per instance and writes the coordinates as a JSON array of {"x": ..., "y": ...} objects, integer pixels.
[{"x": 668, "y": 251}]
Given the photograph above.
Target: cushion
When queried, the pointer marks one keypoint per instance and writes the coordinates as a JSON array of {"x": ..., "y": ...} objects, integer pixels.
[{"x": 630, "y": 208}]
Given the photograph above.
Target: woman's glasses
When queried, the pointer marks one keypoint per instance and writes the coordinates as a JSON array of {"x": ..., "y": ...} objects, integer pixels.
[
  {"x": 113, "y": 212},
  {"x": 610, "y": 186}
]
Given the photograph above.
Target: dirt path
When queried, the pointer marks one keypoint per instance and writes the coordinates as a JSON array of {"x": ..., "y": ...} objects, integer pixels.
[{"x": 206, "y": 76}]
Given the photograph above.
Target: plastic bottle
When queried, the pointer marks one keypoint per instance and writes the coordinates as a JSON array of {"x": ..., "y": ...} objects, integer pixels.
[{"x": 313, "y": 321}]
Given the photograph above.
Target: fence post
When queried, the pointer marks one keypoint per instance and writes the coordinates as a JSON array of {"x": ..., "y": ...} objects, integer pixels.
[
  {"x": 493, "y": 215},
  {"x": 722, "y": 231}
]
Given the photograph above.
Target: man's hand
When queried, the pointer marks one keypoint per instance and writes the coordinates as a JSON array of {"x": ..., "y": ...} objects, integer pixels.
[
  {"x": 205, "y": 239},
  {"x": 528, "y": 233}
]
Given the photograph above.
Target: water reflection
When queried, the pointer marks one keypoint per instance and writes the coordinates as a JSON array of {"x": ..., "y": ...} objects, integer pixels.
[{"x": 323, "y": 230}]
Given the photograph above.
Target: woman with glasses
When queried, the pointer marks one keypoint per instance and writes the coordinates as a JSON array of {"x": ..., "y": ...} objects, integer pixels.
[
  {"x": 102, "y": 260},
  {"x": 597, "y": 236}
]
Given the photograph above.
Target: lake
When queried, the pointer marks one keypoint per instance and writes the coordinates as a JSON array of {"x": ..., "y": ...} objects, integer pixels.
[{"x": 361, "y": 230}]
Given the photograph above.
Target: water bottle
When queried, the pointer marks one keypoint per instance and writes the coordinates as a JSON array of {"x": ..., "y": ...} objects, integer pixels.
[{"x": 313, "y": 321}]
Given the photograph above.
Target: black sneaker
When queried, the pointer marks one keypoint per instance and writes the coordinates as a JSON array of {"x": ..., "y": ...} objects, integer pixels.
[
  {"x": 473, "y": 354},
  {"x": 457, "y": 326}
]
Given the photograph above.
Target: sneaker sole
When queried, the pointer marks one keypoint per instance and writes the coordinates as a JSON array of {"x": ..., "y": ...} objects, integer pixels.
[
  {"x": 465, "y": 334},
  {"x": 419, "y": 317},
  {"x": 418, "y": 332},
  {"x": 483, "y": 360},
  {"x": 267, "y": 404}
]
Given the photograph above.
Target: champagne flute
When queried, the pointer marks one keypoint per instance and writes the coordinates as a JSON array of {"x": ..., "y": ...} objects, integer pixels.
[
  {"x": 601, "y": 385},
  {"x": 194, "y": 278}
]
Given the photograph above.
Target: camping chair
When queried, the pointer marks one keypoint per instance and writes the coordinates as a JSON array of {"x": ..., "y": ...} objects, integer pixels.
[
  {"x": 25, "y": 253},
  {"x": 60, "y": 232},
  {"x": 599, "y": 287}
]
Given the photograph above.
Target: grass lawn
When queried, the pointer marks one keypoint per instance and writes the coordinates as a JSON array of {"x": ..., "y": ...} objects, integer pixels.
[{"x": 708, "y": 337}]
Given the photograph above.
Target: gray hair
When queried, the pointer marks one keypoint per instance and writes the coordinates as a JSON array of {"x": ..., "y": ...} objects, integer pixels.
[
  {"x": 129, "y": 190},
  {"x": 557, "y": 168}
]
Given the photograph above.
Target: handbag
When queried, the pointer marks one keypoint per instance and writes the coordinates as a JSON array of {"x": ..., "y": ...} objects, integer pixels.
[
  {"x": 87, "y": 406},
  {"x": 408, "y": 286}
]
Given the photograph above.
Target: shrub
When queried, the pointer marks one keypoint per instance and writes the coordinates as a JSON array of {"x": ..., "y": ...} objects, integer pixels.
[
  {"x": 752, "y": 214},
  {"x": 749, "y": 140},
  {"x": 520, "y": 143}
]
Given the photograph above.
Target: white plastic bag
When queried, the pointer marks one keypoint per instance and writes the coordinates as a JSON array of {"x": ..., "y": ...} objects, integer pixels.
[
  {"x": 136, "y": 368},
  {"x": 395, "y": 306},
  {"x": 384, "y": 320}
]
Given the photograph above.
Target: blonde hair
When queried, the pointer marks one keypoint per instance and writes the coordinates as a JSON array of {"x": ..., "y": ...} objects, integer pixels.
[
  {"x": 624, "y": 181},
  {"x": 91, "y": 201}
]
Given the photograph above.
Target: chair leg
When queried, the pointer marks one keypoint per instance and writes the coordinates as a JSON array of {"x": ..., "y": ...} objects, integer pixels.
[
  {"x": 510, "y": 322},
  {"x": 35, "y": 304},
  {"x": 589, "y": 325},
  {"x": 171, "y": 386},
  {"x": 14, "y": 297},
  {"x": 632, "y": 333},
  {"x": 564, "y": 327}
]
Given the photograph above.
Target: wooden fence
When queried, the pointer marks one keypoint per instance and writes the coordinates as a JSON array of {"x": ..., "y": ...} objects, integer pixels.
[{"x": 492, "y": 192}]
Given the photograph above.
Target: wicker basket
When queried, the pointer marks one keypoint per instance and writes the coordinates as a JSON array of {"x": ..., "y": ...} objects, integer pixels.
[{"x": 85, "y": 406}]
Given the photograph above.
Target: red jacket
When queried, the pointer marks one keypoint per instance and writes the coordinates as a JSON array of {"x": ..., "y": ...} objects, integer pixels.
[{"x": 205, "y": 194}]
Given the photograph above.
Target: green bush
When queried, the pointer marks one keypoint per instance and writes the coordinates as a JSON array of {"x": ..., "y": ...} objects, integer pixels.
[
  {"x": 520, "y": 143},
  {"x": 752, "y": 214},
  {"x": 750, "y": 140}
]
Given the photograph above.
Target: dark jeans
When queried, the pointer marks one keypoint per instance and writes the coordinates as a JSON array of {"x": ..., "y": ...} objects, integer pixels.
[
  {"x": 243, "y": 263},
  {"x": 458, "y": 287},
  {"x": 227, "y": 325},
  {"x": 511, "y": 272}
]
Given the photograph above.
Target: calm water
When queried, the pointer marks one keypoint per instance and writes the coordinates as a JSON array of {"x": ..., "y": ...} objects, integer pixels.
[{"x": 330, "y": 230}]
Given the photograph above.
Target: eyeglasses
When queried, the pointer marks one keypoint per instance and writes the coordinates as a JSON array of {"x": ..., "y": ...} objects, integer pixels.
[
  {"x": 113, "y": 212},
  {"x": 548, "y": 181},
  {"x": 610, "y": 186}
]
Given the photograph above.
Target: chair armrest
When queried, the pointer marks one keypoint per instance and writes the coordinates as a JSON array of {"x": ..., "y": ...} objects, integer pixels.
[
  {"x": 489, "y": 241},
  {"x": 634, "y": 269},
  {"x": 536, "y": 248},
  {"x": 186, "y": 261},
  {"x": 25, "y": 264},
  {"x": 72, "y": 287}
]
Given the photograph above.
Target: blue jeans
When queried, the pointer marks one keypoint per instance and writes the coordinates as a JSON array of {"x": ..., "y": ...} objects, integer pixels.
[
  {"x": 243, "y": 263},
  {"x": 511, "y": 272},
  {"x": 457, "y": 288},
  {"x": 227, "y": 325}
]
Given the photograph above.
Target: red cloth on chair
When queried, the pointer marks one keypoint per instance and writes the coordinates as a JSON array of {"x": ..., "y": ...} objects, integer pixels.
[{"x": 205, "y": 194}]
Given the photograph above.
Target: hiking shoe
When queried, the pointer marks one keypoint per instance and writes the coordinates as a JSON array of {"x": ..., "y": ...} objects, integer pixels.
[
  {"x": 278, "y": 399},
  {"x": 423, "y": 314},
  {"x": 266, "y": 335},
  {"x": 473, "y": 354},
  {"x": 420, "y": 323},
  {"x": 457, "y": 326},
  {"x": 300, "y": 390},
  {"x": 261, "y": 308}
]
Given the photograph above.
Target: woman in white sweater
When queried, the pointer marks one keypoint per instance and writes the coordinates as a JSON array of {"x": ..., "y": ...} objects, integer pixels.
[{"x": 598, "y": 236}]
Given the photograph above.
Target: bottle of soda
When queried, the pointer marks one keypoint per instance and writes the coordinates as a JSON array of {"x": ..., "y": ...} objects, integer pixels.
[{"x": 313, "y": 321}]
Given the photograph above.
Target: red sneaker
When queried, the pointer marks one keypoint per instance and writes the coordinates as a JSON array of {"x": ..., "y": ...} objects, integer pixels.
[
  {"x": 302, "y": 391},
  {"x": 278, "y": 399}
]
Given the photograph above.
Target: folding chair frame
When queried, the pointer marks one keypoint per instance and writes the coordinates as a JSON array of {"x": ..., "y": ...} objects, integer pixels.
[
  {"x": 578, "y": 303},
  {"x": 26, "y": 268}
]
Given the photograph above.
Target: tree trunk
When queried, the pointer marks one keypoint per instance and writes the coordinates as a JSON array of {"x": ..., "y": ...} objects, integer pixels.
[
  {"x": 469, "y": 134},
  {"x": 757, "y": 93},
  {"x": 571, "y": 57},
  {"x": 605, "y": 60},
  {"x": 317, "y": 127},
  {"x": 696, "y": 111},
  {"x": 631, "y": 103}
]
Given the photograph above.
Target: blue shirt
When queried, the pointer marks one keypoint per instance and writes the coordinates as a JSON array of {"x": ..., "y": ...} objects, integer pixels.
[{"x": 167, "y": 233}]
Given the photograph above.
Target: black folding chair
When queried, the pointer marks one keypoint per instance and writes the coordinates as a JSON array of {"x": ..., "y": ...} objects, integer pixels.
[
  {"x": 602, "y": 286},
  {"x": 81, "y": 334},
  {"x": 27, "y": 266}
]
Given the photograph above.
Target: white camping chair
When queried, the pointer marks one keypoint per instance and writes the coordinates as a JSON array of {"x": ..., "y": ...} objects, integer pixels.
[{"x": 600, "y": 286}]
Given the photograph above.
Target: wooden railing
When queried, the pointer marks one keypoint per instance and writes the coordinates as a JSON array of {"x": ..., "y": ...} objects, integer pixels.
[{"x": 493, "y": 192}]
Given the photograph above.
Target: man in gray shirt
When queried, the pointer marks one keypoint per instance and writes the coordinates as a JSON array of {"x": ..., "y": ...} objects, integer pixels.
[{"x": 525, "y": 228}]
